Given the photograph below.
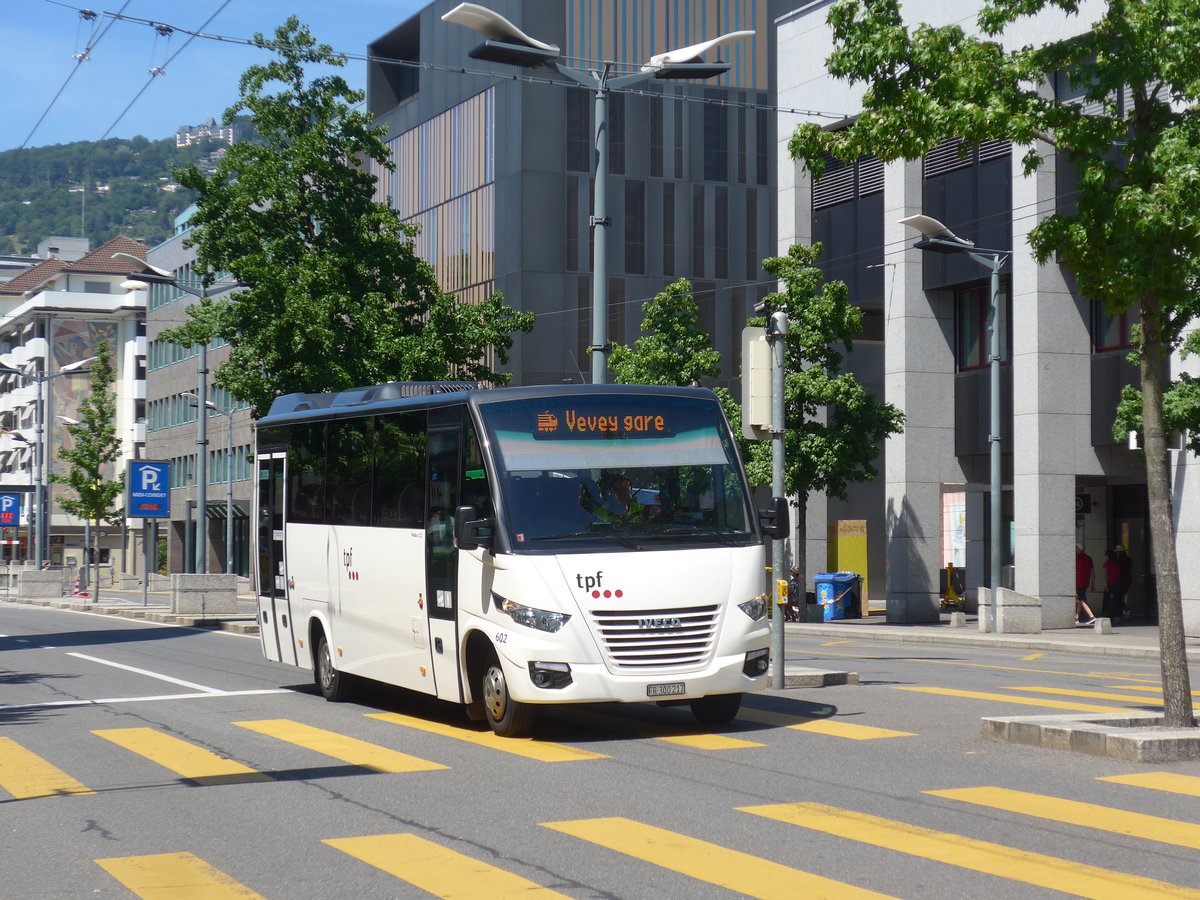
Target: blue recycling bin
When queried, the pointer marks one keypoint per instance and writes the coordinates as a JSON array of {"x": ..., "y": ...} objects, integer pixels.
[{"x": 838, "y": 593}]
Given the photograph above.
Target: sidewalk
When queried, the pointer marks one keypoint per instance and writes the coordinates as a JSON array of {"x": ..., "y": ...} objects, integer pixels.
[
  {"x": 156, "y": 608},
  {"x": 1136, "y": 639}
]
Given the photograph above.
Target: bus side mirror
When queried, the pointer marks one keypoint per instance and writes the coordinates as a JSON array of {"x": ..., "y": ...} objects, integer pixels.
[
  {"x": 470, "y": 531},
  {"x": 774, "y": 521}
]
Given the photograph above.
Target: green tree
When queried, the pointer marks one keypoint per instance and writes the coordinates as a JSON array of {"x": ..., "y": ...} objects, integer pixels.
[
  {"x": 1133, "y": 240},
  {"x": 674, "y": 350},
  {"x": 335, "y": 295},
  {"x": 835, "y": 427},
  {"x": 91, "y": 459}
]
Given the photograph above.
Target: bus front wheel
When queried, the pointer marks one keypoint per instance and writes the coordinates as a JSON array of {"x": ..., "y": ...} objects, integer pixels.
[
  {"x": 333, "y": 684},
  {"x": 716, "y": 709},
  {"x": 506, "y": 716}
]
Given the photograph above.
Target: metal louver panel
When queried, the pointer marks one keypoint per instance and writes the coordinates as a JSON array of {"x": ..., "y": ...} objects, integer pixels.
[
  {"x": 945, "y": 157},
  {"x": 994, "y": 149},
  {"x": 657, "y": 638},
  {"x": 835, "y": 186},
  {"x": 870, "y": 176}
]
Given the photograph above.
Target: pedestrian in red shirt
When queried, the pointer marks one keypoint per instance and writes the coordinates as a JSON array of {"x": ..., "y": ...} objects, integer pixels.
[{"x": 1085, "y": 580}]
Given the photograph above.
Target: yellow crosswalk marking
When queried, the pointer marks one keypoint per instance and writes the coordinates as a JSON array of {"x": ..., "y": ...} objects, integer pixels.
[
  {"x": 174, "y": 876},
  {"x": 704, "y": 861},
  {"x": 1085, "y": 815},
  {"x": 192, "y": 762},
  {"x": 838, "y": 728},
  {"x": 1088, "y": 695},
  {"x": 1147, "y": 688},
  {"x": 347, "y": 749},
  {"x": 542, "y": 751},
  {"x": 1075, "y": 879},
  {"x": 1005, "y": 698},
  {"x": 821, "y": 725},
  {"x": 26, "y": 775},
  {"x": 1188, "y": 785},
  {"x": 709, "y": 741},
  {"x": 439, "y": 871}
]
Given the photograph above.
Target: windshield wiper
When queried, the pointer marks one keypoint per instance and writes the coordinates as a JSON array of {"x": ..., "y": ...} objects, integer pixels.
[{"x": 621, "y": 538}]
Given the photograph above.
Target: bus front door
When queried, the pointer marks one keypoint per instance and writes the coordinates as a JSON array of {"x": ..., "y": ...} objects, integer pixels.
[
  {"x": 274, "y": 613},
  {"x": 441, "y": 559}
]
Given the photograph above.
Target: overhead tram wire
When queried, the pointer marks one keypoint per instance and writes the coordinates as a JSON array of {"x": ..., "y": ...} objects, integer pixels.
[
  {"x": 80, "y": 58},
  {"x": 161, "y": 70},
  {"x": 463, "y": 70}
]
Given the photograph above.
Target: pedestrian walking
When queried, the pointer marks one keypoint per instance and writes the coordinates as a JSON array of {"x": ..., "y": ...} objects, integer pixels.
[{"x": 1085, "y": 580}]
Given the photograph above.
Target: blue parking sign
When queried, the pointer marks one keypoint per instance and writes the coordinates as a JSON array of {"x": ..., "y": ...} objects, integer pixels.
[
  {"x": 148, "y": 489},
  {"x": 10, "y": 510}
]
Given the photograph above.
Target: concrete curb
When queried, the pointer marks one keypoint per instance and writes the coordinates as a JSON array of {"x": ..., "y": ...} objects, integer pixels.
[
  {"x": 1135, "y": 738},
  {"x": 803, "y": 677}
]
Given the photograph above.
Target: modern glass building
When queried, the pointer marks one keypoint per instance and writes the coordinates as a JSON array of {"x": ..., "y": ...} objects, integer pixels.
[{"x": 496, "y": 164}]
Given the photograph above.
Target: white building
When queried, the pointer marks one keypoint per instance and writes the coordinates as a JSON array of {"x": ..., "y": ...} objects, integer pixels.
[
  {"x": 51, "y": 316},
  {"x": 1065, "y": 479}
]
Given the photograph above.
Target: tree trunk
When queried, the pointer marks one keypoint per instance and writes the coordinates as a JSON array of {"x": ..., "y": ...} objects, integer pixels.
[
  {"x": 800, "y": 559},
  {"x": 95, "y": 553},
  {"x": 1176, "y": 683}
]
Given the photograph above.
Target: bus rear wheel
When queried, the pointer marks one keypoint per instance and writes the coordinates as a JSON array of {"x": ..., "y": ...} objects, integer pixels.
[
  {"x": 335, "y": 686},
  {"x": 506, "y": 716},
  {"x": 716, "y": 709}
]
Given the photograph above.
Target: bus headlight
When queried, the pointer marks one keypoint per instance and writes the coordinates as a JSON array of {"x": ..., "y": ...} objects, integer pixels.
[
  {"x": 756, "y": 608},
  {"x": 541, "y": 619}
]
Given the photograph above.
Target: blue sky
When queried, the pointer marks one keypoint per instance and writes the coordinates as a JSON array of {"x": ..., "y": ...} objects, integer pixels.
[{"x": 38, "y": 39}]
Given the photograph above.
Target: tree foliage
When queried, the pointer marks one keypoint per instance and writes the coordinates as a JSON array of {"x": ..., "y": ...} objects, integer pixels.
[
  {"x": 334, "y": 294},
  {"x": 115, "y": 186},
  {"x": 94, "y": 451},
  {"x": 674, "y": 349},
  {"x": 1123, "y": 117},
  {"x": 835, "y": 426}
]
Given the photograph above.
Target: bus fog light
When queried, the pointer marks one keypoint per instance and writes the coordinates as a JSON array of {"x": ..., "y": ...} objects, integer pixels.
[
  {"x": 756, "y": 663},
  {"x": 550, "y": 675}
]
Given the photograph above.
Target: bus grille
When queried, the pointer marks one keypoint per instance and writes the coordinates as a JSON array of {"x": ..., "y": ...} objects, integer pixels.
[{"x": 657, "y": 638}]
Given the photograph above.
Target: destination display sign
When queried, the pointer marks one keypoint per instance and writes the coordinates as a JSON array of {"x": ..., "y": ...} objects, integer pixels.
[{"x": 597, "y": 421}]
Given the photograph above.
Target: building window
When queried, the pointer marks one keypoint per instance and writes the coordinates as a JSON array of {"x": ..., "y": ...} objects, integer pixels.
[
  {"x": 762, "y": 142},
  {"x": 721, "y": 233},
  {"x": 1111, "y": 331},
  {"x": 677, "y": 145},
  {"x": 657, "y": 148},
  {"x": 579, "y": 143},
  {"x": 572, "y": 223},
  {"x": 716, "y": 143},
  {"x": 972, "y": 307},
  {"x": 668, "y": 235},
  {"x": 752, "y": 235},
  {"x": 635, "y": 227},
  {"x": 616, "y": 134},
  {"x": 698, "y": 221}
]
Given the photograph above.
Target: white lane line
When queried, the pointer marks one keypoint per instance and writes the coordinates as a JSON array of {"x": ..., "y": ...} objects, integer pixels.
[
  {"x": 108, "y": 700},
  {"x": 158, "y": 675}
]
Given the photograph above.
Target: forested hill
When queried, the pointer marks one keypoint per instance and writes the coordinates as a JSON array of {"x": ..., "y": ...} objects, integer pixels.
[{"x": 112, "y": 187}]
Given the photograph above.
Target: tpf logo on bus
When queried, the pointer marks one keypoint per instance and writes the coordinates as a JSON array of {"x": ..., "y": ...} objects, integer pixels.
[{"x": 592, "y": 583}]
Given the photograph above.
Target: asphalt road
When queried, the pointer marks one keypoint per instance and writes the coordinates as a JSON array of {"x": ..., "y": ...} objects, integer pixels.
[{"x": 145, "y": 760}]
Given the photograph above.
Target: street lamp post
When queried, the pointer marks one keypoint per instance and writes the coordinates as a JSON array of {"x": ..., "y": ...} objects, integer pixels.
[
  {"x": 507, "y": 44},
  {"x": 155, "y": 275},
  {"x": 41, "y": 379},
  {"x": 937, "y": 238},
  {"x": 227, "y": 412}
]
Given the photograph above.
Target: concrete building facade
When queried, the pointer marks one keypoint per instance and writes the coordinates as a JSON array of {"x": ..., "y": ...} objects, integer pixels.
[
  {"x": 51, "y": 316},
  {"x": 172, "y": 414},
  {"x": 1066, "y": 480}
]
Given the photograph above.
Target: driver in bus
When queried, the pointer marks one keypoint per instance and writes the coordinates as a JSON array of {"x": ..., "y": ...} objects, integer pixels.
[{"x": 619, "y": 504}]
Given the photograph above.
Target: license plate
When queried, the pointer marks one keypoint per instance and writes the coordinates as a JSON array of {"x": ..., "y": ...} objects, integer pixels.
[{"x": 666, "y": 690}]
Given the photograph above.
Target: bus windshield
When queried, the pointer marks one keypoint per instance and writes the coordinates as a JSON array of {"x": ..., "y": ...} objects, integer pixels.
[{"x": 580, "y": 474}]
